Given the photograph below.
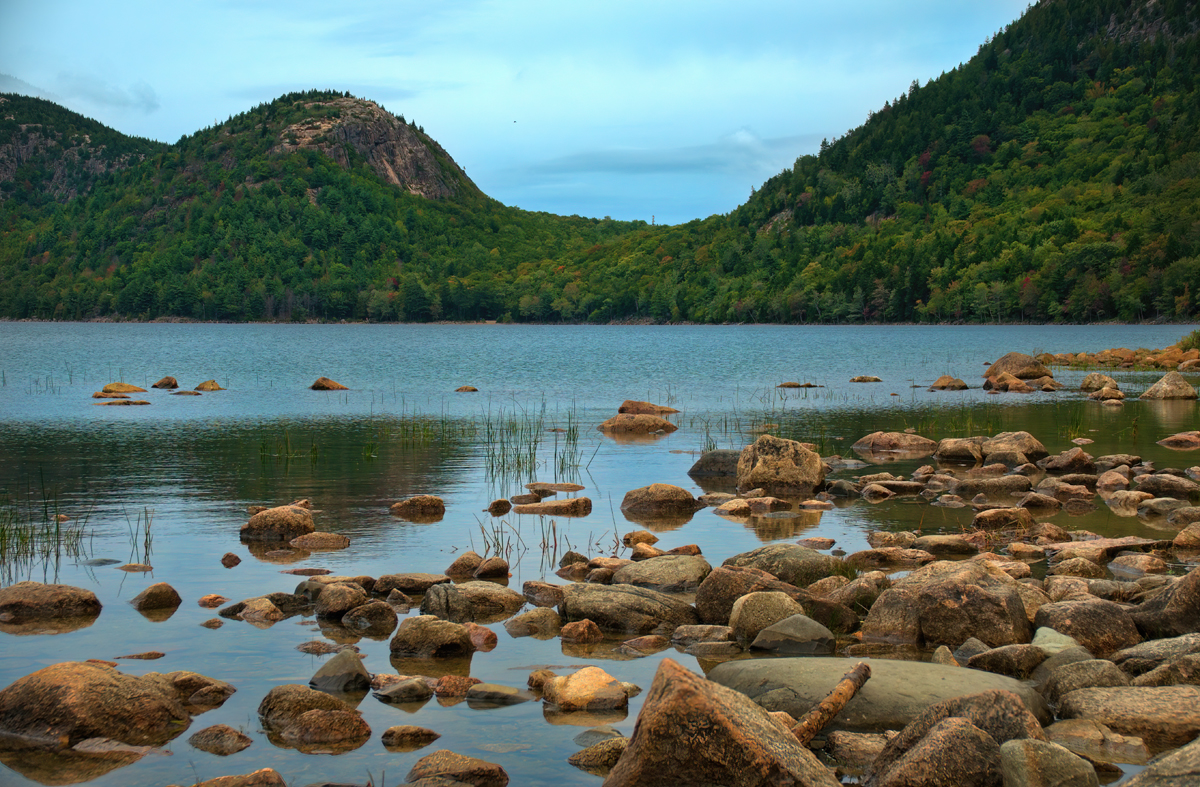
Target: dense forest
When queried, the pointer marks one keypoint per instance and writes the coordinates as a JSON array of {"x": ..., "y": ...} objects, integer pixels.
[{"x": 1054, "y": 177}]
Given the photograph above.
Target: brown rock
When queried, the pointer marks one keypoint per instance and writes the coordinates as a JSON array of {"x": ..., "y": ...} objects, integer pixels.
[
  {"x": 1164, "y": 717},
  {"x": 30, "y": 601},
  {"x": 948, "y": 383},
  {"x": 229, "y": 560},
  {"x": 636, "y": 424},
  {"x": 1019, "y": 365},
  {"x": 220, "y": 739},
  {"x": 419, "y": 508},
  {"x": 121, "y": 388},
  {"x": 407, "y": 737},
  {"x": 1103, "y": 627},
  {"x": 320, "y": 540},
  {"x": 325, "y": 384},
  {"x": 451, "y": 768},
  {"x": 692, "y": 731},
  {"x": 581, "y": 631},
  {"x": 659, "y": 499},
  {"x": 588, "y": 689},
  {"x": 167, "y": 383},
  {"x": 282, "y": 523},
  {"x": 644, "y": 408},
  {"x": 157, "y": 596},
  {"x": 209, "y": 385},
  {"x": 573, "y": 506},
  {"x": 466, "y": 389},
  {"x": 1171, "y": 386},
  {"x": 499, "y": 507},
  {"x": 779, "y": 466}
]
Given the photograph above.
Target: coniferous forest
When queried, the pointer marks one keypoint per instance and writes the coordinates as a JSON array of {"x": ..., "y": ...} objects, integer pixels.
[{"x": 1053, "y": 178}]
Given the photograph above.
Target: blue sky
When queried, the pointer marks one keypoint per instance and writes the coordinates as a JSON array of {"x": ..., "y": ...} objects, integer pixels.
[{"x": 628, "y": 109}]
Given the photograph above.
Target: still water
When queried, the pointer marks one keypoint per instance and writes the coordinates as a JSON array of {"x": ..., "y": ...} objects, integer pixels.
[{"x": 191, "y": 465}]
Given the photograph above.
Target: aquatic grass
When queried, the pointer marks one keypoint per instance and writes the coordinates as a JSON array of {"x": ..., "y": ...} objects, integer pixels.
[
  {"x": 141, "y": 536},
  {"x": 33, "y": 539}
]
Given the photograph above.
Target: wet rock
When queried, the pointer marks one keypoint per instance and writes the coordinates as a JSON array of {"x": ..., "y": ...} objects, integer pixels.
[
  {"x": 542, "y": 594},
  {"x": 156, "y": 597},
  {"x": 1002, "y": 487},
  {"x": 320, "y": 540},
  {"x": 944, "y": 603},
  {"x": 1078, "y": 567},
  {"x": 1003, "y": 519},
  {"x": 259, "y": 611},
  {"x": 220, "y": 739},
  {"x": 408, "y": 737},
  {"x": 1015, "y": 661},
  {"x": 659, "y": 499},
  {"x": 588, "y": 689},
  {"x": 456, "y": 769},
  {"x": 669, "y": 573},
  {"x": 790, "y": 563},
  {"x": 865, "y": 378},
  {"x": 282, "y": 523},
  {"x": 492, "y": 568},
  {"x": 74, "y": 701},
  {"x": 625, "y": 608},
  {"x": 1019, "y": 365},
  {"x": 1085, "y": 674},
  {"x": 719, "y": 463},
  {"x": 542, "y": 623},
  {"x": 122, "y": 388},
  {"x": 426, "y": 636},
  {"x": 25, "y": 602},
  {"x": 1013, "y": 443},
  {"x": 572, "y": 506},
  {"x": 263, "y": 777},
  {"x": 373, "y": 619},
  {"x": 952, "y": 753},
  {"x": 475, "y": 601},
  {"x": 1098, "y": 743},
  {"x": 1103, "y": 627},
  {"x": 897, "y": 693},
  {"x": 209, "y": 385},
  {"x": 583, "y": 632},
  {"x": 229, "y": 560},
  {"x": 938, "y": 545},
  {"x": 1171, "y": 386},
  {"x": 911, "y": 446},
  {"x": 1164, "y": 717},
  {"x": 599, "y": 758},
  {"x": 779, "y": 466},
  {"x": 1030, "y": 763},
  {"x": 629, "y": 423},
  {"x": 797, "y": 635},
  {"x": 691, "y": 731},
  {"x": 413, "y": 584},
  {"x": 166, "y": 383},
  {"x": 948, "y": 383},
  {"x": 404, "y": 691},
  {"x": 336, "y": 600},
  {"x": 419, "y": 508},
  {"x": 499, "y": 507},
  {"x": 756, "y": 611},
  {"x": 1164, "y": 485},
  {"x": 325, "y": 384},
  {"x": 1171, "y": 610}
]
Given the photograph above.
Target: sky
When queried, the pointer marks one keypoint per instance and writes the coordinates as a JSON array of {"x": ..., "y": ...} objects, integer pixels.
[{"x": 657, "y": 110}]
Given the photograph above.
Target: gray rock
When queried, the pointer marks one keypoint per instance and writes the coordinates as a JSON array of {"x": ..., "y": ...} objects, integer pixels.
[
  {"x": 407, "y": 690},
  {"x": 721, "y": 462},
  {"x": 542, "y": 623},
  {"x": 790, "y": 563},
  {"x": 798, "y": 635},
  {"x": 342, "y": 673},
  {"x": 1086, "y": 674},
  {"x": 626, "y": 608},
  {"x": 897, "y": 692},
  {"x": 668, "y": 573},
  {"x": 1162, "y": 716}
]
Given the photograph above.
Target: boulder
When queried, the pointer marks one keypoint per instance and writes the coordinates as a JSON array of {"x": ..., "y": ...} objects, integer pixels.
[
  {"x": 790, "y": 563},
  {"x": 156, "y": 597},
  {"x": 1019, "y": 365},
  {"x": 374, "y": 619},
  {"x": 1171, "y": 610},
  {"x": 335, "y": 600},
  {"x": 343, "y": 673},
  {"x": 1033, "y": 763},
  {"x": 945, "y": 603},
  {"x": 1103, "y": 627},
  {"x": 408, "y": 737},
  {"x": 630, "y": 424},
  {"x": 659, "y": 499},
  {"x": 1165, "y": 485},
  {"x": 542, "y": 623},
  {"x": 669, "y": 573},
  {"x": 948, "y": 383},
  {"x": 1171, "y": 386},
  {"x": 325, "y": 384},
  {"x": 779, "y": 467},
  {"x": 26, "y": 602},
  {"x": 209, "y": 385},
  {"x": 475, "y": 601},
  {"x": 693, "y": 731},
  {"x": 320, "y": 540},
  {"x": 220, "y": 739},
  {"x": 897, "y": 693},
  {"x": 1014, "y": 442},
  {"x": 572, "y": 506},
  {"x": 726, "y": 584},
  {"x": 420, "y": 508},
  {"x": 1164, "y": 717},
  {"x": 67, "y": 703},
  {"x": 1095, "y": 381},
  {"x": 588, "y": 689},
  {"x": 626, "y": 608},
  {"x": 754, "y": 612},
  {"x": 166, "y": 383},
  {"x": 634, "y": 407},
  {"x": 959, "y": 449},
  {"x": 426, "y": 636},
  {"x": 1084, "y": 674},
  {"x": 282, "y": 523},
  {"x": 413, "y": 584},
  {"x": 898, "y": 444},
  {"x": 450, "y": 769},
  {"x": 1182, "y": 441},
  {"x": 122, "y": 388},
  {"x": 719, "y": 463},
  {"x": 798, "y": 635}
]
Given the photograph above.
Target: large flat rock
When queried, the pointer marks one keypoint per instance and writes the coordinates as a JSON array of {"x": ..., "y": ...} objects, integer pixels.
[{"x": 897, "y": 692}]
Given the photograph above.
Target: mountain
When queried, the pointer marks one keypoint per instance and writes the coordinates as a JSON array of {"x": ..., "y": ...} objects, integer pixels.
[{"x": 1054, "y": 177}]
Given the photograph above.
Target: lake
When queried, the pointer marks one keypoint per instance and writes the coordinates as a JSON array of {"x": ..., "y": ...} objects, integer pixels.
[{"x": 192, "y": 465}]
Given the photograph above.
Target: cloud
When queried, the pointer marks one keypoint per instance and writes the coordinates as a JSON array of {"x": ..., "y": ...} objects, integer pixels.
[
  {"x": 10, "y": 84},
  {"x": 139, "y": 96},
  {"x": 741, "y": 152}
]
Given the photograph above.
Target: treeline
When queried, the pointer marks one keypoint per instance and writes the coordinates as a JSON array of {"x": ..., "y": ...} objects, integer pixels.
[{"x": 1054, "y": 177}]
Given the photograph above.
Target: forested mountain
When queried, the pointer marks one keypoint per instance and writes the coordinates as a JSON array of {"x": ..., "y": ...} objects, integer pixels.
[{"x": 1054, "y": 177}]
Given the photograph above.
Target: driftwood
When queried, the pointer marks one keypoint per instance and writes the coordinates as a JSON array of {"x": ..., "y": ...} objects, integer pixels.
[{"x": 816, "y": 719}]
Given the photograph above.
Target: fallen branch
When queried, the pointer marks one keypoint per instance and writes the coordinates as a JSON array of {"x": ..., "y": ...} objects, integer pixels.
[{"x": 819, "y": 717}]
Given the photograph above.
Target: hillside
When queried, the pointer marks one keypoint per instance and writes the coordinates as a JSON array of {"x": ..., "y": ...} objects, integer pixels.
[{"x": 1054, "y": 177}]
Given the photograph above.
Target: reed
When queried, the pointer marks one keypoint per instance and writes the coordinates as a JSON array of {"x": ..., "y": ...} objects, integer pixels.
[{"x": 33, "y": 540}]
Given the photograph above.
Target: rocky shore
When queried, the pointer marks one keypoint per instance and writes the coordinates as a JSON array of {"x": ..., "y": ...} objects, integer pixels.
[{"x": 1014, "y": 652}]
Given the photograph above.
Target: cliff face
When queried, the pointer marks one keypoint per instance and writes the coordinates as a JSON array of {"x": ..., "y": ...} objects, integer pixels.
[
  {"x": 397, "y": 152},
  {"x": 63, "y": 164}
]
